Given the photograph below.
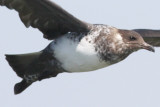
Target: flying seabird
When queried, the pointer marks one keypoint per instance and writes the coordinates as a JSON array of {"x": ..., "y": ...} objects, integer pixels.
[{"x": 77, "y": 46}]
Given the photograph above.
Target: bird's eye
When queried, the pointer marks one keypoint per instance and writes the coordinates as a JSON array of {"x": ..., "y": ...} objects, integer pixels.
[{"x": 132, "y": 38}]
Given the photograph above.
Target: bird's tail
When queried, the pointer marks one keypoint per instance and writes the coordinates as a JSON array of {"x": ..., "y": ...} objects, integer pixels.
[{"x": 19, "y": 64}]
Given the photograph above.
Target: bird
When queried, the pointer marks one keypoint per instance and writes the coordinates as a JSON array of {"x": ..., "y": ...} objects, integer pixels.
[{"x": 76, "y": 46}]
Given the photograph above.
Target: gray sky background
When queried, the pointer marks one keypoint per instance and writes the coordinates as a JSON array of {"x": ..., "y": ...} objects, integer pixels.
[{"x": 134, "y": 82}]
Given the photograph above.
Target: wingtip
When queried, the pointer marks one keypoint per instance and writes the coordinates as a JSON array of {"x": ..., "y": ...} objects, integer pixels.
[{"x": 6, "y": 55}]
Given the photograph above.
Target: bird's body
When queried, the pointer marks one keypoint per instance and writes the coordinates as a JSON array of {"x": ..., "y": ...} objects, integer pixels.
[
  {"x": 86, "y": 51},
  {"x": 77, "y": 46},
  {"x": 78, "y": 53}
]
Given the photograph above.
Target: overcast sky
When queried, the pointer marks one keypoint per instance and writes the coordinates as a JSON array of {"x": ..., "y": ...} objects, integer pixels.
[{"x": 134, "y": 82}]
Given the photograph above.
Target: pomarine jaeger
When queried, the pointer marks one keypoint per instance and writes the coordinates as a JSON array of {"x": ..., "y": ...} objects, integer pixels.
[{"x": 77, "y": 46}]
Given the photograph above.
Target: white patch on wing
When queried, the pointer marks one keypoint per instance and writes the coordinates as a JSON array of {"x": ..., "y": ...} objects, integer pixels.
[{"x": 77, "y": 56}]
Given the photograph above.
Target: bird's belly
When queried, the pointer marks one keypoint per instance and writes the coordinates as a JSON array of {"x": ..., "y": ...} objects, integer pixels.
[
  {"x": 82, "y": 64},
  {"x": 77, "y": 56}
]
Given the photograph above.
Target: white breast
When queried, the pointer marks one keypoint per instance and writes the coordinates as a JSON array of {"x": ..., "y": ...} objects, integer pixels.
[{"x": 77, "y": 56}]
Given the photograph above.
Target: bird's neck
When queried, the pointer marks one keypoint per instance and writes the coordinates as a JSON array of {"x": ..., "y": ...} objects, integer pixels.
[{"x": 111, "y": 48}]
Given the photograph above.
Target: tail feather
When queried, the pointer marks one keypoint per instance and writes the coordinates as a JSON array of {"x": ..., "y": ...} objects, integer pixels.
[
  {"x": 20, "y": 87},
  {"x": 19, "y": 63}
]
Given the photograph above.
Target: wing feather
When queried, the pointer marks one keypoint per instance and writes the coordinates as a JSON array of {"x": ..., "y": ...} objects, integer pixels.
[
  {"x": 49, "y": 18},
  {"x": 150, "y": 36}
]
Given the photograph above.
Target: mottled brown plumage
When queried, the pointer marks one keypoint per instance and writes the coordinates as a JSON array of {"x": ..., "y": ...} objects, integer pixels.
[{"x": 77, "y": 46}]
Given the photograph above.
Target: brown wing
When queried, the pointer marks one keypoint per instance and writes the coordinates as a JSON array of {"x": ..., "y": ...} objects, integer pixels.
[
  {"x": 45, "y": 15},
  {"x": 150, "y": 36}
]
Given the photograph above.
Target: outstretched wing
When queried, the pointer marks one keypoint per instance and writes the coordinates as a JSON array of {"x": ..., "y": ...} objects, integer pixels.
[
  {"x": 48, "y": 17},
  {"x": 150, "y": 36}
]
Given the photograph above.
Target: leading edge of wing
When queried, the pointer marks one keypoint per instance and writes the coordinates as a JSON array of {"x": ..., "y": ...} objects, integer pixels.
[{"x": 150, "y": 36}]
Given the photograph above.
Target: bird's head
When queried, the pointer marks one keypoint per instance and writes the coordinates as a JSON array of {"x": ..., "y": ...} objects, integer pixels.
[
  {"x": 134, "y": 41},
  {"x": 118, "y": 44}
]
